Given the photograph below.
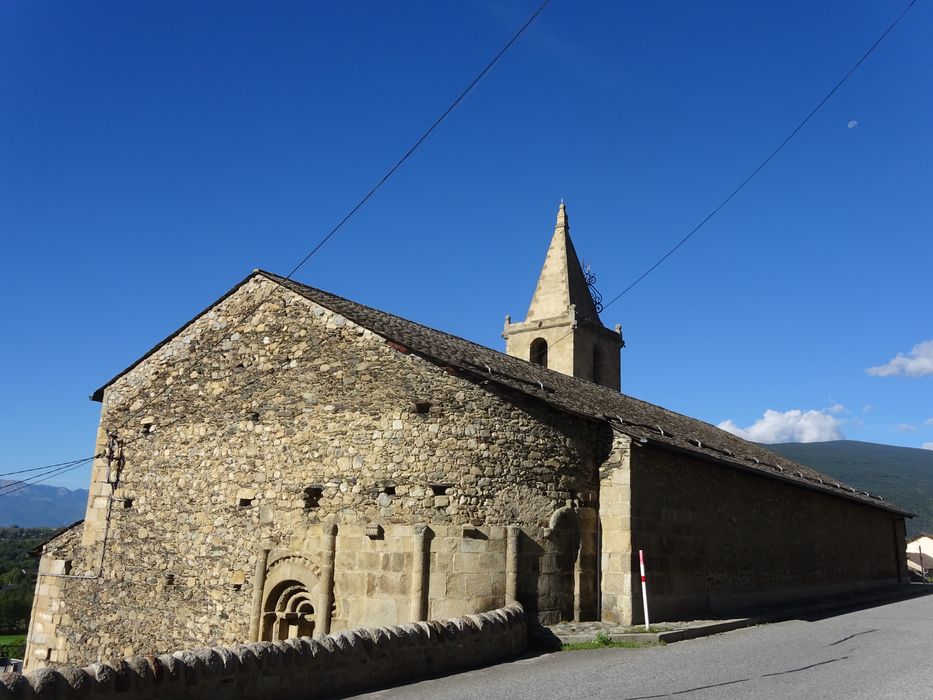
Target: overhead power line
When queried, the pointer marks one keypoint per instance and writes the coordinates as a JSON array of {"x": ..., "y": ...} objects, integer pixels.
[
  {"x": 767, "y": 160},
  {"x": 437, "y": 122},
  {"x": 389, "y": 173},
  {"x": 18, "y": 485},
  {"x": 761, "y": 165},
  {"x": 46, "y": 467}
]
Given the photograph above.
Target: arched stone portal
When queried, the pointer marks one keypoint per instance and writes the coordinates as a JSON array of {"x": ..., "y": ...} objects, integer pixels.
[
  {"x": 292, "y": 600},
  {"x": 288, "y": 612}
]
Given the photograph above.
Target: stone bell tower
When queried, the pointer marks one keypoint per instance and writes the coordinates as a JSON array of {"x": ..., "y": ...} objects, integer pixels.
[{"x": 562, "y": 330}]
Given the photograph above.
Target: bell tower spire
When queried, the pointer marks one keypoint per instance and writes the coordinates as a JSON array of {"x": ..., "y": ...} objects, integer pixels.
[
  {"x": 562, "y": 330},
  {"x": 562, "y": 283}
]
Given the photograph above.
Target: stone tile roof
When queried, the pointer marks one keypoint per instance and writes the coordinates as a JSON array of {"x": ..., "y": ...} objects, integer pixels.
[
  {"x": 36, "y": 551},
  {"x": 644, "y": 422}
]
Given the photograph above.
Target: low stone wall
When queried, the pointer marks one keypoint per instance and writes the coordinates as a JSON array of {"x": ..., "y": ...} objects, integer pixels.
[{"x": 290, "y": 668}]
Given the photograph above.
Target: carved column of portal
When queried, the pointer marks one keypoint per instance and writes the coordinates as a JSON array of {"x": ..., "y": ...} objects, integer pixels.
[
  {"x": 420, "y": 569},
  {"x": 327, "y": 580},
  {"x": 259, "y": 582},
  {"x": 511, "y": 564}
]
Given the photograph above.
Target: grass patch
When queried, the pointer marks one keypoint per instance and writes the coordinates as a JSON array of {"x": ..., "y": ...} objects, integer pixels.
[
  {"x": 12, "y": 645},
  {"x": 604, "y": 641}
]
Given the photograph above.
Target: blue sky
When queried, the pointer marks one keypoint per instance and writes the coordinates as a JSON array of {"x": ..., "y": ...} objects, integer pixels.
[{"x": 152, "y": 155}]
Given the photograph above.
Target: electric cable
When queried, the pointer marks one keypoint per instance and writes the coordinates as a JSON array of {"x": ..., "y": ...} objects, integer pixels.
[
  {"x": 758, "y": 169},
  {"x": 466, "y": 91},
  {"x": 47, "y": 466},
  {"x": 18, "y": 485}
]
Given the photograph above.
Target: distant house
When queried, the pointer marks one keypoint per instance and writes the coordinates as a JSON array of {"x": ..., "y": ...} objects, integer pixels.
[{"x": 920, "y": 556}]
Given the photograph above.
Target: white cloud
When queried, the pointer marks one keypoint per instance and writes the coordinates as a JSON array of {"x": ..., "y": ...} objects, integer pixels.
[
  {"x": 916, "y": 363},
  {"x": 927, "y": 446},
  {"x": 836, "y": 409},
  {"x": 866, "y": 408},
  {"x": 904, "y": 427},
  {"x": 928, "y": 422},
  {"x": 852, "y": 124},
  {"x": 790, "y": 426}
]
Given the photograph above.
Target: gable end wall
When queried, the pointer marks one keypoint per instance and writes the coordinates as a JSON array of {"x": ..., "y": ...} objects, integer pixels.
[{"x": 201, "y": 492}]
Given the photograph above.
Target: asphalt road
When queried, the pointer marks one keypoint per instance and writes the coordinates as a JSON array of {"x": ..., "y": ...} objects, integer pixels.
[{"x": 880, "y": 652}]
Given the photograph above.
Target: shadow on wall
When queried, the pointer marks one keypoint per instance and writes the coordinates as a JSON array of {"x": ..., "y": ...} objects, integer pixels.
[
  {"x": 292, "y": 668},
  {"x": 558, "y": 579}
]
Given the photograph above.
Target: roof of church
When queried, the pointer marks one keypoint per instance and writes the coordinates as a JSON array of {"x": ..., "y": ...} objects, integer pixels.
[{"x": 646, "y": 423}]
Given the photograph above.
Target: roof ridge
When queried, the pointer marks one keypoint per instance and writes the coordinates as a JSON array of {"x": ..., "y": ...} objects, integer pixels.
[
  {"x": 571, "y": 395},
  {"x": 485, "y": 348}
]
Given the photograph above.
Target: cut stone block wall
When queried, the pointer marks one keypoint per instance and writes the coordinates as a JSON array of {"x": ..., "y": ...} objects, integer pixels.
[
  {"x": 291, "y": 669},
  {"x": 615, "y": 521},
  {"x": 717, "y": 538}
]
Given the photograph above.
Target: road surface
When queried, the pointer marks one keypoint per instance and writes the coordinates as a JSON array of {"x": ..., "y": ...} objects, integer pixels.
[{"x": 880, "y": 652}]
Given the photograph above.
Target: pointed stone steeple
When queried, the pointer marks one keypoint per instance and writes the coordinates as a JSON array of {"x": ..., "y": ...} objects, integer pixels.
[
  {"x": 562, "y": 330},
  {"x": 562, "y": 283}
]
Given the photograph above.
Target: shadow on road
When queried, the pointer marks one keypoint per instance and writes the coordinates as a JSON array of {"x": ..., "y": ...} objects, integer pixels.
[{"x": 814, "y": 609}]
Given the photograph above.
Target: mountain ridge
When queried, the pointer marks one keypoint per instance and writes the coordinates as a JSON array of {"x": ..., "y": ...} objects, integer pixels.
[
  {"x": 40, "y": 505},
  {"x": 901, "y": 475}
]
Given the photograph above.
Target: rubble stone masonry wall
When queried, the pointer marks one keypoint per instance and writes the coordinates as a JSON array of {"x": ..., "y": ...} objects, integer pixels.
[
  {"x": 288, "y": 669},
  {"x": 285, "y": 453}
]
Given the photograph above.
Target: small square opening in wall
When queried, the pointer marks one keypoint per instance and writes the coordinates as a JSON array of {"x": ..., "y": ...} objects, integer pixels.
[
  {"x": 127, "y": 503},
  {"x": 245, "y": 502},
  {"x": 388, "y": 490},
  {"x": 440, "y": 489},
  {"x": 312, "y": 497},
  {"x": 422, "y": 407}
]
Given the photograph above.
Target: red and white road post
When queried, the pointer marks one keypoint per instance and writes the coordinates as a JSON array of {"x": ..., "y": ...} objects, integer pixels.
[{"x": 644, "y": 589}]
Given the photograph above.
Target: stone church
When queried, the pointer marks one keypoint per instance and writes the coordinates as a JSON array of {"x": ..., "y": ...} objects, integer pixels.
[{"x": 292, "y": 463}]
